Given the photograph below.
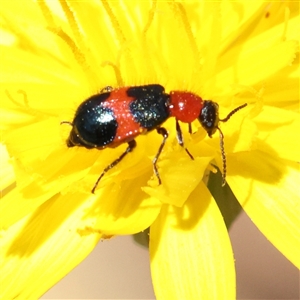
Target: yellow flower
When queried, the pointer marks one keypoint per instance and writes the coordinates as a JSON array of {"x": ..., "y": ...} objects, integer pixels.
[{"x": 56, "y": 54}]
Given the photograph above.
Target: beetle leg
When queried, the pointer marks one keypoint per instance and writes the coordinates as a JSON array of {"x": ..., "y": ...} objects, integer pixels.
[
  {"x": 165, "y": 135},
  {"x": 180, "y": 139},
  {"x": 131, "y": 146},
  {"x": 107, "y": 89}
]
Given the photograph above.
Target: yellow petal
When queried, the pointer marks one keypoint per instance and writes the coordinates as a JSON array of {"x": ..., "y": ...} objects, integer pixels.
[
  {"x": 251, "y": 67},
  {"x": 190, "y": 251},
  {"x": 282, "y": 139},
  {"x": 258, "y": 48},
  {"x": 280, "y": 90},
  {"x": 268, "y": 189},
  {"x": 40, "y": 249},
  {"x": 123, "y": 209},
  {"x": 179, "y": 179},
  {"x": 283, "y": 88},
  {"x": 7, "y": 175},
  {"x": 117, "y": 207}
]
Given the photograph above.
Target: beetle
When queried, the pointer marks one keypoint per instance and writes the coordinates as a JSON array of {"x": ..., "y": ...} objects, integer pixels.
[{"x": 116, "y": 116}]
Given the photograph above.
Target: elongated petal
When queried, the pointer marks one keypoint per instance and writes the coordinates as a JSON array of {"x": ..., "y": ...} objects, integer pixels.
[
  {"x": 40, "y": 249},
  {"x": 178, "y": 185},
  {"x": 7, "y": 175},
  {"x": 191, "y": 256},
  {"x": 281, "y": 140},
  {"x": 271, "y": 199}
]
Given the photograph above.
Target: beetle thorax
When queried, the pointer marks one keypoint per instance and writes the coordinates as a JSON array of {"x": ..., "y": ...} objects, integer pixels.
[{"x": 185, "y": 106}]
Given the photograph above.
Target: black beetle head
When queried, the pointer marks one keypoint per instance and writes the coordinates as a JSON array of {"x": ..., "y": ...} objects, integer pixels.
[{"x": 209, "y": 117}]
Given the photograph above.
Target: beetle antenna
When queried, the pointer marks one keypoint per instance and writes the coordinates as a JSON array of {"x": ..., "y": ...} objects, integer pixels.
[
  {"x": 222, "y": 141},
  {"x": 223, "y": 156},
  {"x": 232, "y": 113},
  {"x": 66, "y": 122}
]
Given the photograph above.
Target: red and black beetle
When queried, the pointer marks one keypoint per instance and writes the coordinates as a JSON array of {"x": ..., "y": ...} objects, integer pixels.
[{"x": 117, "y": 116}]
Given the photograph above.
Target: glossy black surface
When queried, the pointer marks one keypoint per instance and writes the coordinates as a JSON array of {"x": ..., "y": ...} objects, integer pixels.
[
  {"x": 209, "y": 117},
  {"x": 150, "y": 107},
  {"x": 93, "y": 125}
]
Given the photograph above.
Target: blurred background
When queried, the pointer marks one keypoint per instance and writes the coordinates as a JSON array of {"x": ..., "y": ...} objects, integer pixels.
[{"x": 119, "y": 269}]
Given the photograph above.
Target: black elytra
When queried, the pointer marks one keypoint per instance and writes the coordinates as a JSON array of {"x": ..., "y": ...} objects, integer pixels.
[
  {"x": 150, "y": 106},
  {"x": 94, "y": 126}
]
